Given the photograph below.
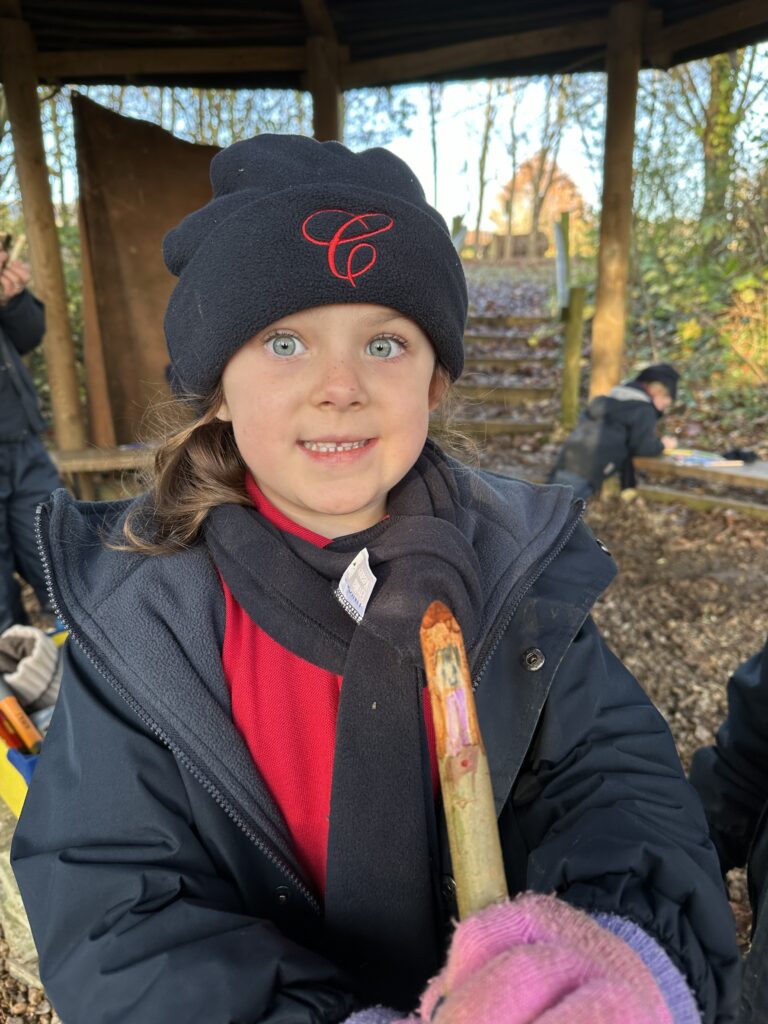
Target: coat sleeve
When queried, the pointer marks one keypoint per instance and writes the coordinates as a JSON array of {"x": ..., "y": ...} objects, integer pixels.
[
  {"x": 23, "y": 321},
  {"x": 133, "y": 920},
  {"x": 612, "y": 825},
  {"x": 732, "y": 776},
  {"x": 643, "y": 438}
]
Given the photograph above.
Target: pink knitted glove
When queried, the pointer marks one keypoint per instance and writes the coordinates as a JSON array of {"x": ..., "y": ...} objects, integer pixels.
[{"x": 537, "y": 960}]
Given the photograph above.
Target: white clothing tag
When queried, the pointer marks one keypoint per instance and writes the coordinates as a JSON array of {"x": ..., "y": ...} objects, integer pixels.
[{"x": 356, "y": 586}]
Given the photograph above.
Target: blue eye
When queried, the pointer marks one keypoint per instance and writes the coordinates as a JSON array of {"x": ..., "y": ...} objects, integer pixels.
[
  {"x": 285, "y": 345},
  {"x": 385, "y": 347}
]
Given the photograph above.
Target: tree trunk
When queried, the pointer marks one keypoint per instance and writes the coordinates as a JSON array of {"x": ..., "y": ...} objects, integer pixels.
[
  {"x": 435, "y": 104},
  {"x": 58, "y": 156},
  {"x": 545, "y": 163},
  {"x": 486, "y": 138},
  {"x": 718, "y": 130}
]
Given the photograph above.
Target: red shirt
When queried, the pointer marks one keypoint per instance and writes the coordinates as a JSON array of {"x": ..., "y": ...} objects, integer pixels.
[{"x": 285, "y": 708}]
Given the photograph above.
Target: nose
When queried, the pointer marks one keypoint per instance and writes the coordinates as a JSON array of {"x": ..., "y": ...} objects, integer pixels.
[{"x": 340, "y": 384}]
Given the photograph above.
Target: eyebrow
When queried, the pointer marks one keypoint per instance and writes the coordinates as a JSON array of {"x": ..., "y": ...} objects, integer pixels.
[{"x": 375, "y": 319}]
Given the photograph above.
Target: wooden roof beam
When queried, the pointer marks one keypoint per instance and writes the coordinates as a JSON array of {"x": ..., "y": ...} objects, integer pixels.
[
  {"x": 662, "y": 43},
  {"x": 68, "y": 65},
  {"x": 420, "y": 65}
]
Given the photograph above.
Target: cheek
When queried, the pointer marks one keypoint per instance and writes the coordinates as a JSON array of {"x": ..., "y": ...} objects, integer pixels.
[{"x": 413, "y": 423}]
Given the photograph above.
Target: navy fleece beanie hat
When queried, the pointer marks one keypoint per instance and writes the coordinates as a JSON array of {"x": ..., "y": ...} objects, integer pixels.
[
  {"x": 295, "y": 223},
  {"x": 660, "y": 373}
]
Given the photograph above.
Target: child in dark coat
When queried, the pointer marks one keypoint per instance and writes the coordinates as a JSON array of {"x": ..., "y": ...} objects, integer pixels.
[
  {"x": 732, "y": 780},
  {"x": 614, "y": 428},
  {"x": 27, "y": 475},
  {"x": 236, "y": 814}
]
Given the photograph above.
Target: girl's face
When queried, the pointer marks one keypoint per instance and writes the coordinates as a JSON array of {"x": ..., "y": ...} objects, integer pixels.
[{"x": 330, "y": 409}]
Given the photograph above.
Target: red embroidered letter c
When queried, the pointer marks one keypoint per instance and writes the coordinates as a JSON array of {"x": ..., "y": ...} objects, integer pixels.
[{"x": 339, "y": 228}]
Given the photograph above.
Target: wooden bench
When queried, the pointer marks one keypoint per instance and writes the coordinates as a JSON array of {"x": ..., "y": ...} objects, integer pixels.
[
  {"x": 80, "y": 467},
  {"x": 752, "y": 475}
]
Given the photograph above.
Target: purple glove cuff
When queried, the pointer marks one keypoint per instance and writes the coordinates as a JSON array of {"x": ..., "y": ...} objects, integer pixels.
[
  {"x": 374, "y": 1015},
  {"x": 672, "y": 984}
]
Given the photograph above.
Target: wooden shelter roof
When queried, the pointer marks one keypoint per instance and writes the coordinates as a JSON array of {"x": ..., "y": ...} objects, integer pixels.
[{"x": 241, "y": 43}]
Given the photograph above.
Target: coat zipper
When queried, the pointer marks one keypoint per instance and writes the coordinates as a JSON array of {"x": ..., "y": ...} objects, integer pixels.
[
  {"x": 498, "y": 633},
  {"x": 177, "y": 752}
]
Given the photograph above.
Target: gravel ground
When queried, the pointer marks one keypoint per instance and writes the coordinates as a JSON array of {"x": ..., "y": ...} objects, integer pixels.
[
  {"x": 20, "y": 1004},
  {"x": 684, "y": 611}
]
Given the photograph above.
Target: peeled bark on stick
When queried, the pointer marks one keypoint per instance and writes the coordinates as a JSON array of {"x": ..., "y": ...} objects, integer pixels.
[{"x": 465, "y": 779}]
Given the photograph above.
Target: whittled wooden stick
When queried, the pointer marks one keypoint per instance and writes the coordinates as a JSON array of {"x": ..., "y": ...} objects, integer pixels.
[
  {"x": 465, "y": 779},
  {"x": 17, "y": 247}
]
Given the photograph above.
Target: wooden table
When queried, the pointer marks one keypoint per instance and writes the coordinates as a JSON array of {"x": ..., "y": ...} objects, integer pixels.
[
  {"x": 82, "y": 465},
  {"x": 752, "y": 475}
]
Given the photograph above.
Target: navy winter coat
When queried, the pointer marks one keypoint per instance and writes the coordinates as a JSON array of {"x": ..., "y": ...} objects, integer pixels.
[
  {"x": 156, "y": 871},
  {"x": 611, "y": 430},
  {"x": 732, "y": 776},
  {"x": 22, "y": 325},
  {"x": 732, "y": 780}
]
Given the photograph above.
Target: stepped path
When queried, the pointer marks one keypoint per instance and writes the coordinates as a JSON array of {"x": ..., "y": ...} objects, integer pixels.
[{"x": 510, "y": 384}]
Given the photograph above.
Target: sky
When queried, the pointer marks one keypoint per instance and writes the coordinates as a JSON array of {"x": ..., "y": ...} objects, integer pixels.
[{"x": 459, "y": 128}]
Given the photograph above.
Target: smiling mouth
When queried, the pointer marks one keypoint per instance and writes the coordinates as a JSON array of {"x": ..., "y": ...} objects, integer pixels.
[{"x": 334, "y": 446}]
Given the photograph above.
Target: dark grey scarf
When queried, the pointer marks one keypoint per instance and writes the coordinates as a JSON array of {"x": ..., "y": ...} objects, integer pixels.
[{"x": 452, "y": 535}]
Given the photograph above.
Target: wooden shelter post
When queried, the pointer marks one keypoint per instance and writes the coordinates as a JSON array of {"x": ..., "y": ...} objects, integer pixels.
[
  {"x": 625, "y": 38},
  {"x": 18, "y": 70},
  {"x": 322, "y": 76},
  {"x": 323, "y": 82}
]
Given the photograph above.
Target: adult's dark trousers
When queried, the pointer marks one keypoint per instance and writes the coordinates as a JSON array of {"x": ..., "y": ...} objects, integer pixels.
[{"x": 27, "y": 477}]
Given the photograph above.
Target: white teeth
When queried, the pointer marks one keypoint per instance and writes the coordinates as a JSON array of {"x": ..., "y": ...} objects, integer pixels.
[{"x": 330, "y": 446}]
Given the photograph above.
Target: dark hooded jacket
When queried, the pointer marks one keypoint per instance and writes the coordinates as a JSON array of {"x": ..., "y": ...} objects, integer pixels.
[
  {"x": 611, "y": 430},
  {"x": 732, "y": 780},
  {"x": 732, "y": 776},
  {"x": 156, "y": 870},
  {"x": 22, "y": 325}
]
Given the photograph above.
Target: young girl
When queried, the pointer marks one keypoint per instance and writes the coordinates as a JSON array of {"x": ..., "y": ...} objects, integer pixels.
[{"x": 236, "y": 816}]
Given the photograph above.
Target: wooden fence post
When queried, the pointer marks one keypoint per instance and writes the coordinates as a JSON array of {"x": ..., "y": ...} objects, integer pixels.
[
  {"x": 562, "y": 262},
  {"x": 574, "y": 326}
]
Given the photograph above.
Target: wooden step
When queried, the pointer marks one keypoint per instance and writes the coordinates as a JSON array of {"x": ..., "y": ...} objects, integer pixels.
[
  {"x": 702, "y": 502},
  {"x": 501, "y": 320},
  {"x": 481, "y": 338},
  {"x": 510, "y": 394},
  {"x": 490, "y": 428},
  {"x": 508, "y": 362}
]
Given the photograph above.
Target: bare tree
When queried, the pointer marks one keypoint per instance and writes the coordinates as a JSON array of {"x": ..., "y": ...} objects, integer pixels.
[
  {"x": 544, "y": 163},
  {"x": 515, "y": 89},
  {"x": 490, "y": 111},
  {"x": 57, "y": 151},
  {"x": 716, "y": 95},
  {"x": 435, "y": 106},
  {"x": 6, "y": 162}
]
